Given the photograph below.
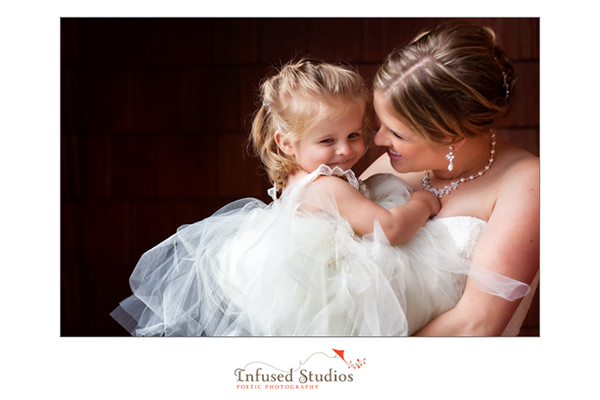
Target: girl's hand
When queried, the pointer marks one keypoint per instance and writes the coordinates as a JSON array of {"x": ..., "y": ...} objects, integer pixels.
[{"x": 429, "y": 199}]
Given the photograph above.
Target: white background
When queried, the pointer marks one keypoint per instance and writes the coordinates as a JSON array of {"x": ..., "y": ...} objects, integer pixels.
[{"x": 39, "y": 363}]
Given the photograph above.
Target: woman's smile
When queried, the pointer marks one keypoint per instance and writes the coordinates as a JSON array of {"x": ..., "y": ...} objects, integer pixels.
[{"x": 393, "y": 155}]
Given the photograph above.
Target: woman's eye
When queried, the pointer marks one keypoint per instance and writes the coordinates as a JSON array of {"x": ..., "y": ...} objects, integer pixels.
[{"x": 395, "y": 134}]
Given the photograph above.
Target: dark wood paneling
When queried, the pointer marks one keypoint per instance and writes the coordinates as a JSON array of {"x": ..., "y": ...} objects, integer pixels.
[
  {"x": 188, "y": 165},
  {"x": 245, "y": 171},
  {"x": 106, "y": 100},
  {"x": 336, "y": 39},
  {"x": 235, "y": 40},
  {"x": 181, "y": 42},
  {"x": 382, "y": 35},
  {"x": 106, "y": 233},
  {"x": 525, "y": 110},
  {"x": 282, "y": 39},
  {"x": 250, "y": 79}
]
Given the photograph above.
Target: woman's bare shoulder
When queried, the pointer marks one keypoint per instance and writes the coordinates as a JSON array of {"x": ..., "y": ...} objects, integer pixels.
[
  {"x": 516, "y": 205},
  {"x": 511, "y": 239},
  {"x": 519, "y": 168}
]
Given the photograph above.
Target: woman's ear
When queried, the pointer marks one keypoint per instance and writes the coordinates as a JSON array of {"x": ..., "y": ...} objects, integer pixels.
[
  {"x": 284, "y": 145},
  {"x": 459, "y": 144}
]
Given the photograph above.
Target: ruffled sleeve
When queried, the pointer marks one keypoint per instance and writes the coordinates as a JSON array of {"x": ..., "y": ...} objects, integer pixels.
[
  {"x": 347, "y": 175},
  {"x": 325, "y": 170}
]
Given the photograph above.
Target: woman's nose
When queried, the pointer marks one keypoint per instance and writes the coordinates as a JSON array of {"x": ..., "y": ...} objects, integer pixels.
[{"x": 380, "y": 138}]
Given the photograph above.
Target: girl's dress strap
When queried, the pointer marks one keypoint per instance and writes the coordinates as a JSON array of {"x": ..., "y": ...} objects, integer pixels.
[{"x": 325, "y": 170}]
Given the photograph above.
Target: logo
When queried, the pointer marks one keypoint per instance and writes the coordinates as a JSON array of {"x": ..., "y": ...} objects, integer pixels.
[{"x": 317, "y": 370}]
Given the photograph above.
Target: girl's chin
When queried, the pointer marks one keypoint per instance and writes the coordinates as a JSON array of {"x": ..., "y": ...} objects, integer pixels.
[{"x": 344, "y": 166}]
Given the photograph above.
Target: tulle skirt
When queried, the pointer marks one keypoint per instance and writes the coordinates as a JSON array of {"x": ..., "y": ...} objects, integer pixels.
[{"x": 296, "y": 268}]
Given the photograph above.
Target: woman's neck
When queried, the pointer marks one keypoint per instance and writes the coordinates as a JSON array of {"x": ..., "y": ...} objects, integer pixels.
[{"x": 470, "y": 158}]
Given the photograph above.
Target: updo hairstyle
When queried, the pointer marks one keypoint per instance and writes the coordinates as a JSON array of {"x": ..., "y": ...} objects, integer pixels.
[
  {"x": 450, "y": 83},
  {"x": 294, "y": 100}
]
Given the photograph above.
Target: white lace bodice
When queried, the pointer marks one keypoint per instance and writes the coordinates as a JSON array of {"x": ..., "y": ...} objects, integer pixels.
[{"x": 465, "y": 231}]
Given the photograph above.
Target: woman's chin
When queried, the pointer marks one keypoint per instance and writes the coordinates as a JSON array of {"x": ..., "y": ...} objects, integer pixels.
[{"x": 397, "y": 163}]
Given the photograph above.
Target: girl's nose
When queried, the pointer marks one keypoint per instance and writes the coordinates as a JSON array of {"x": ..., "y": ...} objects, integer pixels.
[{"x": 343, "y": 148}]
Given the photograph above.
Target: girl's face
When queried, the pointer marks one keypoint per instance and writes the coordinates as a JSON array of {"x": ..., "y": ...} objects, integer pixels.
[
  {"x": 336, "y": 142},
  {"x": 408, "y": 151}
]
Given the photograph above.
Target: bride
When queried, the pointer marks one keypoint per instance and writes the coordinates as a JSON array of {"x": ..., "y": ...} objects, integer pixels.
[{"x": 437, "y": 101}]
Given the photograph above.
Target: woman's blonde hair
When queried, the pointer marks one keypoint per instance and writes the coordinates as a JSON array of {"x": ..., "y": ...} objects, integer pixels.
[
  {"x": 294, "y": 99},
  {"x": 450, "y": 83}
]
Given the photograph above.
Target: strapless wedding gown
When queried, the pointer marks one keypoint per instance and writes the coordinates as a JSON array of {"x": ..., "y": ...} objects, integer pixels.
[
  {"x": 296, "y": 268},
  {"x": 465, "y": 232}
]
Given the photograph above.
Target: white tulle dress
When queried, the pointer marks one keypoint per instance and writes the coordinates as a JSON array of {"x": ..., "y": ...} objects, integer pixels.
[{"x": 296, "y": 268}]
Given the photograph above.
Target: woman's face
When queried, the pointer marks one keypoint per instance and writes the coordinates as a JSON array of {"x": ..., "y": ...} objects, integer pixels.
[{"x": 408, "y": 151}]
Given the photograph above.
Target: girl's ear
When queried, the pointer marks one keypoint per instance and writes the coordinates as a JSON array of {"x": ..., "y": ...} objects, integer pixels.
[{"x": 284, "y": 145}]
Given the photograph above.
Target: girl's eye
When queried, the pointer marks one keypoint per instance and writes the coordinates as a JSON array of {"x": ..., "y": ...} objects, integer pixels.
[
  {"x": 327, "y": 141},
  {"x": 354, "y": 135}
]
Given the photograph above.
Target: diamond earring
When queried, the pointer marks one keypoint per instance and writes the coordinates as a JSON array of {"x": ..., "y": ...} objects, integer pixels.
[{"x": 450, "y": 157}]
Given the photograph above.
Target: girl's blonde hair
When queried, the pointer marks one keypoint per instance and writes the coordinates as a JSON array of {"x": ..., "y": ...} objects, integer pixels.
[
  {"x": 450, "y": 83},
  {"x": 294, "y": 100}
]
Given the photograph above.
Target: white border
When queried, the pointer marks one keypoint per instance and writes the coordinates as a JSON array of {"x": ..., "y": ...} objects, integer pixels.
[{"x": 41, "y": 363}]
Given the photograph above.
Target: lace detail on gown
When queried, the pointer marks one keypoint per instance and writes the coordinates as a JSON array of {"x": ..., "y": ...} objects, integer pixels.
[{"x": 465, "y": 231}]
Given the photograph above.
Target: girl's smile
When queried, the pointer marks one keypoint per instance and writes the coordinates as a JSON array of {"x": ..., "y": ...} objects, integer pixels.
[{"x": 337, "y": 142}]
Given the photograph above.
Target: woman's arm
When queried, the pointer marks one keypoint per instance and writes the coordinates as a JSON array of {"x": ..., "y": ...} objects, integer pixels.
[
  {"x": 508, "y": 246},
  {"x": 398, "y": 223}
]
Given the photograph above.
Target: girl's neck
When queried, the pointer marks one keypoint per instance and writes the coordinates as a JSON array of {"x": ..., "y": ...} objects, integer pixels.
[{"x": 296, "y": 176}]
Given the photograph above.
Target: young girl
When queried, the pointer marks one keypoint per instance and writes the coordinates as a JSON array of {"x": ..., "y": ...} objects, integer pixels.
[{"x": 317, "y": 260}]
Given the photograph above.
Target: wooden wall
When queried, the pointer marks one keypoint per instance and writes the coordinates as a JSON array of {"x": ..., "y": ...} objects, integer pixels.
[{"x": 154, "y": 119}]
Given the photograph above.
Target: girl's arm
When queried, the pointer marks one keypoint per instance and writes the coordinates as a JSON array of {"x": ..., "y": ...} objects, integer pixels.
[
  {"x": 399, "y": 223},
  {"x": 508, "y": 246}
]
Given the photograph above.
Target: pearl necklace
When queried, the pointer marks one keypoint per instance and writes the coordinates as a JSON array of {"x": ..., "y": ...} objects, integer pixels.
[{"x": 439, "y": 193}]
